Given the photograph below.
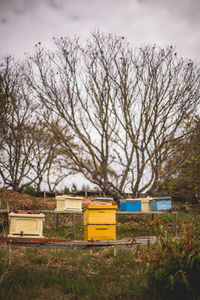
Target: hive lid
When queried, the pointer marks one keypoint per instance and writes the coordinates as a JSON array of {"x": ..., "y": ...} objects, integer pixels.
[
  {"x": 74, "y": 197},
  {"x": 64, "y": 197},
  {"x": 102, "y": 199},
  {"x": 148, "y": 199},
  {"x": 163, "y": 198},
  {"x": 160, "y": 199},
  {"x": 19, "y": 215},
  {"x": 132, "y": 200},
  {"x": 96, "y": 207}
]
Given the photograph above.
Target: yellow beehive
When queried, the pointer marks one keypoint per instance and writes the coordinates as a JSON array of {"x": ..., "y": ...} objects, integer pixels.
[
  {"x": 145, "y": 204},
  {"x": 65, "y": 202},
  {"x": 100, "y": 222},
  {"x": 101, "y": 214},
  {"x": 26, "y": 225},
  {"x": 100, "y": 232}
]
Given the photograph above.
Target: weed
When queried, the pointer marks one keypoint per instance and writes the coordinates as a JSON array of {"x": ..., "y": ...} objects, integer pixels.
[
  {"x": 34, "y": 257},
  {"x": 169, "y": 269},
  {"x": 174, "y": 265}
]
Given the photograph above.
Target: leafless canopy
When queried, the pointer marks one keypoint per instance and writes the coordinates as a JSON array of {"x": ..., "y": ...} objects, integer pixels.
[
  {"x": 28, "y": 151},
  {"x": 124, "y": 107}
]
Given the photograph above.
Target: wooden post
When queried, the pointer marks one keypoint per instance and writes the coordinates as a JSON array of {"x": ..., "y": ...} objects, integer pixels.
[
  {"x": 10, "y": 255},
  {"x": 116, "y": 223},
  {"x": 115, "y": 250},
  {"x": 74, "y": 222},
  {"x": 57, "y": 221},
  {"x": 175, "y": 225},
  {"x": 45, "y": 196}
]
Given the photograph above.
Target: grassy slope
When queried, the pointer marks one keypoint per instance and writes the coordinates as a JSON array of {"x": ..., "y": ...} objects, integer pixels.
[{"x": 32, "y": 273}]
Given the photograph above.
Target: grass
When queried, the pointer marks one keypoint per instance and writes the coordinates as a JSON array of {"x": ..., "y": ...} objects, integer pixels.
[
  {"x": 84, "y": 274},
  {"x": 37, "y": 273},
  {"x": 65, "y": 229}
]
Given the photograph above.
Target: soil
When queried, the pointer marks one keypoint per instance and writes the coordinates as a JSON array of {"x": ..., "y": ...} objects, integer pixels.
[
  {"x": 17, "y": 201},
  {"x": 20, "y": 201}
]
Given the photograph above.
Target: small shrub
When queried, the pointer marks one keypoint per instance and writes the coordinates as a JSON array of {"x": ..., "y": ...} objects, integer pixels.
[
  {"x": 174, "y": 265},
  {"x": 30, "y": 190}
]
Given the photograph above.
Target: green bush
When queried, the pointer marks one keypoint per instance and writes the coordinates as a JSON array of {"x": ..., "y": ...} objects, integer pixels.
[{"x": 30, "y": 190}]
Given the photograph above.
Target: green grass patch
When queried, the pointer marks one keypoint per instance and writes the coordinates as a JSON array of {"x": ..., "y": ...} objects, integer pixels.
[
  {"x": 81, "y": 274},
  {"x": 163, "y": 270},
  {"x": 65, "y": 227}
]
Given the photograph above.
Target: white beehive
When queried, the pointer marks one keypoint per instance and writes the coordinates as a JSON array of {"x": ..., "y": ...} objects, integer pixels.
[
  {"x": 26, "y": 225},
  {"x": 145, "y": 203},
  {"x": 101, "y": 201},
  {"x": 60, "y": 203},
  {"x": 65, "y": 202}
]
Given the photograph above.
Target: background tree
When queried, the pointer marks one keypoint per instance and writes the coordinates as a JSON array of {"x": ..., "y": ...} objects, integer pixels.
[
  {"x": 17, "y": 127},
  {"x": 125, "y": 108},
  {"x": 28, "y": 150},
  {"x": 4, "y": 99},
  {"x": 47, "y": 163},
  {"x": 184, "y": 183}
]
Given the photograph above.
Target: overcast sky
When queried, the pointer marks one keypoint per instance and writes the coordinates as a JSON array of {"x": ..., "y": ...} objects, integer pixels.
[{"x": 23, "y": 23}]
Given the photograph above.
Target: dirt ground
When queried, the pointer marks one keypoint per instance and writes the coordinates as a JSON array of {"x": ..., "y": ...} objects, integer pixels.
[
  {"x": 16, "y": 201},
  {"x": 20, "y": 201}
]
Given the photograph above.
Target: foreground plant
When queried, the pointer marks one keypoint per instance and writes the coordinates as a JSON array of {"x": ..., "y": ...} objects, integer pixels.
[{"x": 174, "y": 264}]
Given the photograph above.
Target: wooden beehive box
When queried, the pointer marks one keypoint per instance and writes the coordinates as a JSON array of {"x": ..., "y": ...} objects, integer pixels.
[
  {"x": 100, "y": 232},
  {"x": 100, "y": 214},
  {"x": 161, "y": 204},
  {"x": 70, "y": 203},
  {"x": 145, "y": 204},
  {"x": 60, "y": 203},
  {"x": 26, "y": 225},
  {"x": 100, "y": 222},
  {"x": 101, "y": 201},
  {"x": 133, "y": 205}
]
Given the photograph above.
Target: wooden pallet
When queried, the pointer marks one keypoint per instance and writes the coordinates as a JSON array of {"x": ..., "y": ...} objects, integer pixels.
[{"x": 76, "y": 244}]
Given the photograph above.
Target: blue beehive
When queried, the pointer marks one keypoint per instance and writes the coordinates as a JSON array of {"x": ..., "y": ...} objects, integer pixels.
[
  {"x": 131, "y": 205},
  {"x": 161, "y": 203}
]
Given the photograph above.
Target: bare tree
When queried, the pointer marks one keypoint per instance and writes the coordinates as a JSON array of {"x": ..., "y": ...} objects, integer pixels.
[
  {"x": 47, "y": 162},
  {"x": 28, "y": 150},
  {"x": 18, "y": 128},
  {"x": 125, "y": 108},
  {"x": 5, "y": 106},
  {"x": 165, "y": 92}
]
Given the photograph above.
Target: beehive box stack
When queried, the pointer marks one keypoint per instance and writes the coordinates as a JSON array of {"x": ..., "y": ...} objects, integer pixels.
[
  {"x": 60, "y": 203},
  {"x": 26, "y": 225},
  {"x": 70, "y": 203},
  {"x": 101, "y": 201},
  {"x": 145, "y": 204},
  {"x": 161, "y": 204},
  {"x": 133, "y": 205},
  {"x": 100, "y": 222}
]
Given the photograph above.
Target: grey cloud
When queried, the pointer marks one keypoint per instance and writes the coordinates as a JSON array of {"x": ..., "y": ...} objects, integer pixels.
[
  {"x": 3, "y": 20},
  {"x": 66, "y": 8},
  {"x": 141, "y": 21},
  {"x": 188, "y": 9},
  {"x": 56, "y": 4},
  {"x": 19, "y": 7},
  {"x": 74, "y": 17}
]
